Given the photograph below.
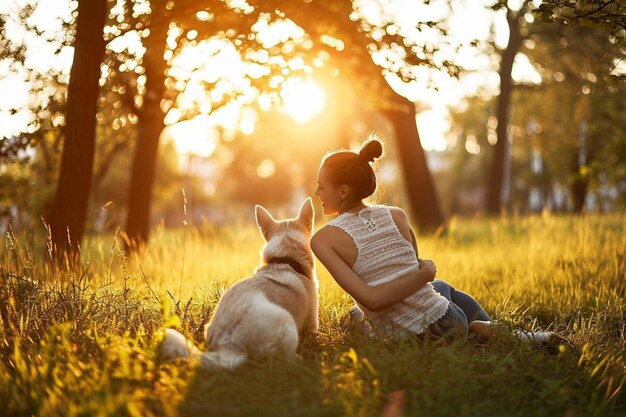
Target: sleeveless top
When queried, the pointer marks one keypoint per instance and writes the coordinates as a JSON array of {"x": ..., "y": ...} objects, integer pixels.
[{"x": 384, "y": 254}]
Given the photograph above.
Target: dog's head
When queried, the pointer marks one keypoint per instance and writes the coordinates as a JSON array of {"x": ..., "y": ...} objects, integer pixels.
[{"x": 288, "y": 238}]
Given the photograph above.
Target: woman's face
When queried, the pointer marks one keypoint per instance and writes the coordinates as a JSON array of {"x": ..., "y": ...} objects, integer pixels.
[{"x": 328, "y": 193}]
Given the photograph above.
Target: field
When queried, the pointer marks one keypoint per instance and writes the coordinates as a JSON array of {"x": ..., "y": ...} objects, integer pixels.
[{"x": 84, "y": 343}]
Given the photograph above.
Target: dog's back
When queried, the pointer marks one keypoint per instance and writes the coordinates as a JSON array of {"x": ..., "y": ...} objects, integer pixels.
[{"x": 268, "y": 312}]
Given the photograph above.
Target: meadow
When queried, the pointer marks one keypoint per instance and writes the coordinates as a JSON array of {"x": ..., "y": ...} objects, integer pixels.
[{"x": 84, "y": 343}]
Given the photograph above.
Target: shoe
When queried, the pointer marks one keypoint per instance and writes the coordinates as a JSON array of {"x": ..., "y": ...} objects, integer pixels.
[
  {"x": 358, "y": 316},
  {"x": 539, "y": 338},
  {"x": 356, "y": 313}
]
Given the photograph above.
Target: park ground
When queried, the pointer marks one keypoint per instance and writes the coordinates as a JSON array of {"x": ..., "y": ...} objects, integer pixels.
[{"x": 85, "y": 342}]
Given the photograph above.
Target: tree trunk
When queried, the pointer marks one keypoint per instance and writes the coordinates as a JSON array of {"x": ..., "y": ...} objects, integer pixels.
[
  {"x": 69, "y": 210},
  {"x": 421, "y": 192},
  {"x": 579, "y": 193},
  {"x": 582, "y": 157},
  {"x": 494, "y": 188},
  {"x": 149, "y": 128}
]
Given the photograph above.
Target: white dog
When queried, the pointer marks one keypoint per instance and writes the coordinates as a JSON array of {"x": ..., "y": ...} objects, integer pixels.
[{"x": 267, "y": 313}]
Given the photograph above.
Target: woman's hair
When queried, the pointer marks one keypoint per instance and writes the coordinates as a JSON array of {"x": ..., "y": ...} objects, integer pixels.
[{"x": 353, "y": 169}]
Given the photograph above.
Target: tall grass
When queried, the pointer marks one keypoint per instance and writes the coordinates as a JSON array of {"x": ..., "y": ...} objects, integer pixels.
[{"x": 84, "y": 342}]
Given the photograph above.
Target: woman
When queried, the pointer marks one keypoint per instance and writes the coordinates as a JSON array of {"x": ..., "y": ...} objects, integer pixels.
[{"x": 372, "y": 254}]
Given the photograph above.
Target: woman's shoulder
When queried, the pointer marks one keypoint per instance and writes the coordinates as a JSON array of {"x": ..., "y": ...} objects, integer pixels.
[
  {"x": 324, "y": 234},
  {"x": 399, "y": 218},
  {"x": 329, "y": 235},
  {"x": 396, "y": 212}
]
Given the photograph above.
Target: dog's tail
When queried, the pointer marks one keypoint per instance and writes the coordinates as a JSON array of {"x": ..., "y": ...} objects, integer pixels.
[
  {"x": 223, "y": 357},
  {"x": 175, "y": 346}
]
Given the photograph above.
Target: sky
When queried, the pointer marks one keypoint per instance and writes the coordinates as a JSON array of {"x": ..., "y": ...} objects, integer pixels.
[{"x": 469, "y": 20}]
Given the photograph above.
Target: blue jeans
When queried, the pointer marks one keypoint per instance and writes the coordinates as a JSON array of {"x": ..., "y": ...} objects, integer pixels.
[
  {"x": 463, "y": 309},
  {"x": 467, "y": 303}
]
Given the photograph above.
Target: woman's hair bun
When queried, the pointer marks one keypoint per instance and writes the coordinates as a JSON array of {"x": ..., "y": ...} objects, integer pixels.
[{"x": 371, "y": 149}]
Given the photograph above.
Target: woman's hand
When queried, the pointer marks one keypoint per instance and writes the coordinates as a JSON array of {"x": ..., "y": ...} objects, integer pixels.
[{"x": 429, "y": 265}]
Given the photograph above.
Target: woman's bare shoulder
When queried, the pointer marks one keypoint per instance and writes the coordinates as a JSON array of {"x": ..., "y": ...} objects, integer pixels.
[
  {"x": 330, "y": 235},
  {"x": 398, "y": 215},
  {"x": 325, "y": 234},
  {"x": 401, "y": 220}
]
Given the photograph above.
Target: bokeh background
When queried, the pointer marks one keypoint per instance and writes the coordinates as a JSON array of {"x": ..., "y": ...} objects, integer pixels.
[{"x": 122, "y": 115}]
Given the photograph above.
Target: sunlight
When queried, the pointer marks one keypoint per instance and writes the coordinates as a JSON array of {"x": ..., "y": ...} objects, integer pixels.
[
  {"x": 266, "y": 168},
  {"x": 196, "y": 136},
  {"x": 302, "y": 99},
  {"x": 431, "y": 125}
]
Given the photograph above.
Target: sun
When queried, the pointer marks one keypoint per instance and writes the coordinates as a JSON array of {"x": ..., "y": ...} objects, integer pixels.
[{"x": 302, "y": 99}]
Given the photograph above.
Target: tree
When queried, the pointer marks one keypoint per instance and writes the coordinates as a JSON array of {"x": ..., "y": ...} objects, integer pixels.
[
  {"x": 358, "y": 39},
  {"x": 414, "y": 163},
  {"x": 28, "y": 179},
  {"x": 584, "y": 125},
  {"x": 519, "y": 29},
  {"x": 605, "y": 15},
  {"x": 38, "y": 146},
  {"x": 46, "y": 105},
  {"x": 571, "y": 123},
  {"x": 149, "y": 130},
  {"x": 187, "y": 16},
  {"x": 67, "y": 218},
  {"x": 470, "y": 128},
  {"x": 502, "y": 147}
]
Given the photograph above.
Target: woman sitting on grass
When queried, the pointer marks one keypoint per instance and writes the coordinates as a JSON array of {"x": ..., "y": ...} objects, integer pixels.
[{"x": 372, "y": 254}]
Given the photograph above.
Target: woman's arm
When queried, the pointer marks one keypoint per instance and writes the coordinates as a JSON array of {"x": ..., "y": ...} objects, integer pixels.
[
  {"x": 414, "y": 243},
  {"x": 372, "y": 298}
]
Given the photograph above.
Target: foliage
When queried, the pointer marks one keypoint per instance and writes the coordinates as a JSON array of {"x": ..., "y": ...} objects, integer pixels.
[
  {"x": 84, "y": 342},
  {"x": 27, "y": 185},
  {"x": 605, "y": 15},
  {"x": 576, "y": 95},
  {"x": 579, "y": 98},
  {"x": 469, "y": 153},
  {"x": 44, "y": 112},
  {"x": 123, "y": 81}
]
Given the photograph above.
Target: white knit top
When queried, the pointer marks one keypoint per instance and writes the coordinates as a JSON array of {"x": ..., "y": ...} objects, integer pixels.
[{"x": 384, "y": 255}]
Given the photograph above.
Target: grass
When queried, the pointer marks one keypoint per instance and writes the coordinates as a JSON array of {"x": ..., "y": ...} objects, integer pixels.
[{"x": 84, "y": 343}]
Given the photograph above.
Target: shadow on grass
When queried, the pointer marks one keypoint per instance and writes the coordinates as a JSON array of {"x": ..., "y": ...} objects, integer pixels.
[
  {"x": 327, "y": 379},
  {"x": 277, "y": 387},
  {"x": 354, "y": 377}
]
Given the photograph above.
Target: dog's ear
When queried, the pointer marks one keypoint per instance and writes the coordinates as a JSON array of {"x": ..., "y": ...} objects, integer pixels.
[
  {"x": 265, "y": 221},
  {"x": 305, "y": 215}
]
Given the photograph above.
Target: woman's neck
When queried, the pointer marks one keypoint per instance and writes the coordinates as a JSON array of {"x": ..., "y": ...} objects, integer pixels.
[{"x": 353, "y": 208}]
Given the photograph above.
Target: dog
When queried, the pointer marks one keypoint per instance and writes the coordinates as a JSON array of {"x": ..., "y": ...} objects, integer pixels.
[{"x": 267, "y": 313}]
